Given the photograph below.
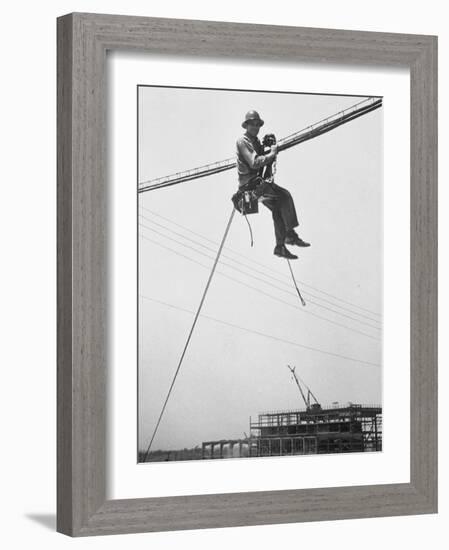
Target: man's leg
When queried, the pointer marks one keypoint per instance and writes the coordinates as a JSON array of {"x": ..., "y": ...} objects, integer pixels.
[
  {"x": 289, "y": 217},
  {"x": 278, "y": 222},
  {"x": 286, "y": 206},
  {"x": 279, "y": 226},
  {"x": 279, "y": 230}
]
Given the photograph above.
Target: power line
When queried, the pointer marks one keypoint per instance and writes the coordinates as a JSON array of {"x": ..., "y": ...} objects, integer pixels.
[
  {"x": 253, "y": 288},
  {"x": 259, "y": 263},
  {"x": 263, "y": 334},
  {"x": 261, "y": 280},
  {"x": 245, "y": 264}
]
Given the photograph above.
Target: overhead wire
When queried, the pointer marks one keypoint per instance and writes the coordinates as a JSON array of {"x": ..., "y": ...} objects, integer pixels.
[
  {"x": 251, "y": 260},
  {"x": 261, "y": 280},
  {"x": 259, "y": 291},
  {"x": 263, "y": 334},
  {"x": 244, "y": 264}
]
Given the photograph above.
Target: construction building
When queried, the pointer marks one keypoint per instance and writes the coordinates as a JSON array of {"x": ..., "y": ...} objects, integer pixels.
[
  {"x": 353, "y": 428},
  {"x": 313, "y": 430},
  {"x": 317, "y": 430}
]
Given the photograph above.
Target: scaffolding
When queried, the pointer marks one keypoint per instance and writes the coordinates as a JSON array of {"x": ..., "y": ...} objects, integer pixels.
[
  {"x": 318, "y": 430},
  {"x": 314, "y": 430}
]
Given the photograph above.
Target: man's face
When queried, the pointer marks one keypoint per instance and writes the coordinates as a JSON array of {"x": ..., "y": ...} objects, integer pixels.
[{"x": 253, "y": 128}]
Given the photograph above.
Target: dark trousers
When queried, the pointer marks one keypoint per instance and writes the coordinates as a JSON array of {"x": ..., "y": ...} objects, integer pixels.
[{"x": 282, "y": 207}]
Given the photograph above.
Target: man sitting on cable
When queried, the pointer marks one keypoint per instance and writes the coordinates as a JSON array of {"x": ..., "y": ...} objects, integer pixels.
[{"x": 251, "y": 161}]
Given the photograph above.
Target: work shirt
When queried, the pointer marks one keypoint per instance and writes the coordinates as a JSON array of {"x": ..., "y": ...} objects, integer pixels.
[{"x": 250, "y": 158}]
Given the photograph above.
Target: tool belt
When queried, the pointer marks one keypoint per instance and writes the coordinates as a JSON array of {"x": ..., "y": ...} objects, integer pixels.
[{"x": 247, "y": 198}]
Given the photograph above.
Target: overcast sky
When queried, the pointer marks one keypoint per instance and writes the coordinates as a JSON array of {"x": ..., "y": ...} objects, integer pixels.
[{"x": 230, "y": 374}]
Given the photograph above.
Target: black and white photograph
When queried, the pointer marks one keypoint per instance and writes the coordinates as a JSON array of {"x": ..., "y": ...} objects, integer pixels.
[
  {"x": 259, "y": 273},
  {"x": 220, "y": 294}
]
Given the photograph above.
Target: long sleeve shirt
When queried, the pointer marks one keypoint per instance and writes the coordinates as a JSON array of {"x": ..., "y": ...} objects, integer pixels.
[{"x": 250, "y": 158}]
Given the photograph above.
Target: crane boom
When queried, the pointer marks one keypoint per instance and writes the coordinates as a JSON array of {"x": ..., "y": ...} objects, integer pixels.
[
  {"x": 309, "y": 391},
  {"x": 292, "y": 370}
]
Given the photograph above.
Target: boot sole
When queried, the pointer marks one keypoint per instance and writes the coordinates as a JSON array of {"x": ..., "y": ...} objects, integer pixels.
[
  {"x": 287, "y": 257},
  {"x": 300, "y": 245}
]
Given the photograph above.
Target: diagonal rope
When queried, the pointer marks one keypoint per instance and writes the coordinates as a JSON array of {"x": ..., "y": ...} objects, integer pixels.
[
  {"x": 250, "y": 230},
  {"x": 209, "y": 280},
  {"x": 294, "y": 282}
]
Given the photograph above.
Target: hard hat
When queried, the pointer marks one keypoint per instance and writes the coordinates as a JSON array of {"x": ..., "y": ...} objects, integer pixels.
[{"x": 252, "y": 115}]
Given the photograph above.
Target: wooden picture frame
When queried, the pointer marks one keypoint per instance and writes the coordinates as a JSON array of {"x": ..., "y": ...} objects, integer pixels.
[{"x": 83, "y": 40}]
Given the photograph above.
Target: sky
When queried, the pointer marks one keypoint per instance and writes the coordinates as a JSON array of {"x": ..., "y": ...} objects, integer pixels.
[{"x": 252, "y": 324}]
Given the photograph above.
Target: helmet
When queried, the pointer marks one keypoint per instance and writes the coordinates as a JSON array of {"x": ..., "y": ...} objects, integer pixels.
[{"x": 252, "y": 115}]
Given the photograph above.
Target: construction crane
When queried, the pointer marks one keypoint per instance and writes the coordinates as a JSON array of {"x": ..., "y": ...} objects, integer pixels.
[{"x": 313, "y": 406}]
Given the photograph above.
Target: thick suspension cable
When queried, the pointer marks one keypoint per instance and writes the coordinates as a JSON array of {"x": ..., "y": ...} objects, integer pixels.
[{"x": 314, "y": 130}]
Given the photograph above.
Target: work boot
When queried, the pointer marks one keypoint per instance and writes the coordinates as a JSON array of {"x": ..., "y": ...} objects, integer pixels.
[
  {"x": 295, "y": 240},
  {"x": 282, "y": 251}
]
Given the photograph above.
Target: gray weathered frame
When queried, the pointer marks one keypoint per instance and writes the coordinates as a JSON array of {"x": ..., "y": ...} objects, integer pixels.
[{"x": 83, "y": 40}]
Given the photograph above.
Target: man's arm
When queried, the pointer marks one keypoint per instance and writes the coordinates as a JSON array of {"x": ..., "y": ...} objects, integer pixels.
[{"x": 250, "y": 156}]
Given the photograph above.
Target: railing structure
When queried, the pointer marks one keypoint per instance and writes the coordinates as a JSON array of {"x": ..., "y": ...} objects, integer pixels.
[{"x": 309, "y": 132}]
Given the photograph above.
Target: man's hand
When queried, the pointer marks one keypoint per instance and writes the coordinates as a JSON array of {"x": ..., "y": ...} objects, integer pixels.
[{"x": 271, "y": 155}]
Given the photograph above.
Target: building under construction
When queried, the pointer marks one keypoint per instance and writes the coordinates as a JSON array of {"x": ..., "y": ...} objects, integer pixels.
[
  {"x": 316, "y": 430},
  {"x": 312, "y": 430}
]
